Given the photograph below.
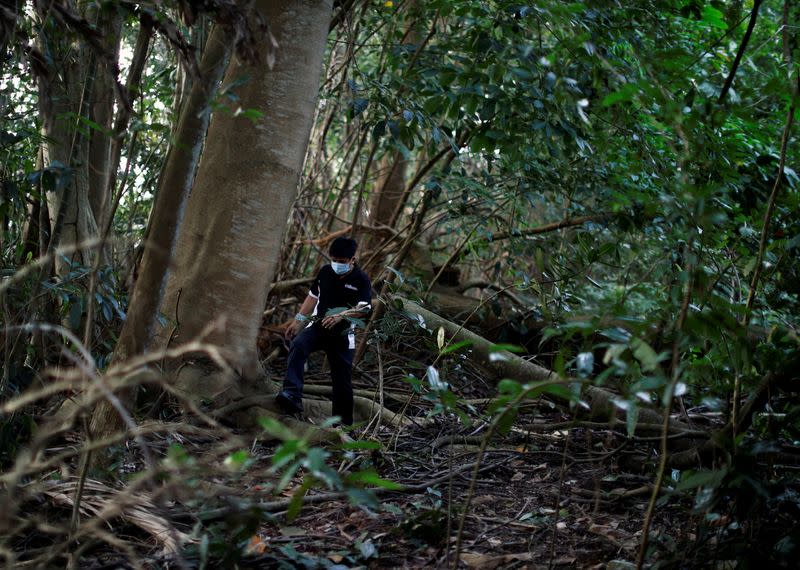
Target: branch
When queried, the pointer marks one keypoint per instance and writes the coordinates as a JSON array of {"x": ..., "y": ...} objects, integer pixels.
[
  {"x": 762, "y": 246},
  {"x": 745, "y": 39},
  {"x": 504, "y": 364},
  {"x": 565, "y": 223},
  {"x": 346, "y": 231}
]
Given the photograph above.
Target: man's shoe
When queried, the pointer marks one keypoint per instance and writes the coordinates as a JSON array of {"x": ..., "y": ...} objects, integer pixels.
[{"x": 287, "y": 404}]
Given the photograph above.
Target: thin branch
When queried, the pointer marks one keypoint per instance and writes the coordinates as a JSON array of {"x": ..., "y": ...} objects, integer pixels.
[{"x": 742, "y": 46}]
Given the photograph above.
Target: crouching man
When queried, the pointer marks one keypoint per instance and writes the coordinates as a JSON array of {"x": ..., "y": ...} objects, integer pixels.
[{"x": 340, "y": 290}]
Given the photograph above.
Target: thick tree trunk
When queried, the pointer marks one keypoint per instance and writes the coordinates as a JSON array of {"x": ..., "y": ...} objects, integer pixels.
[
  {"x": 30, "y": 239},
  {"x": 392, "y": 186},
  {"x": 229, "y": 242},
  {"x": 170, "y": 202}
]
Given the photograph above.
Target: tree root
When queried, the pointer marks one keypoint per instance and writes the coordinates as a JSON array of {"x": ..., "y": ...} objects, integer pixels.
[{"x": 246, "y": 409}]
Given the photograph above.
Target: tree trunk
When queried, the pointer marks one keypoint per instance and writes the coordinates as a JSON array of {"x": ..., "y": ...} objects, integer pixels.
[
  {"x": 229, "y": 242},
  {"x": 122, "y": 120},
  {"x": 173, "y": 191},
  {"x": 393, "y": 166},
  {"x": 101, "y": 112},
  {"x": 66, "y": 149},
  {"x": 392, "y": 185}
]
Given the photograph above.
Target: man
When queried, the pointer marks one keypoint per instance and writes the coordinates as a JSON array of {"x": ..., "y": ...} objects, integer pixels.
[{"x": 340, "y": 290}]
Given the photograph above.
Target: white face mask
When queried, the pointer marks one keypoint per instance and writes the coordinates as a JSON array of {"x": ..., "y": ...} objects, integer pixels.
[{"x": 340, "y": 268}]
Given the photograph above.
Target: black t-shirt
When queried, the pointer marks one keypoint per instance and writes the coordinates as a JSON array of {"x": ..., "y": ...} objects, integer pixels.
[{"x": 335, "y": 291}]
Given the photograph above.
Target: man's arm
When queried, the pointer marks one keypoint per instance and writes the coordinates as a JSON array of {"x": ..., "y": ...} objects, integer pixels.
[
  {"x": 302, "y": 316},
  {"x": 361, "y": 310}
]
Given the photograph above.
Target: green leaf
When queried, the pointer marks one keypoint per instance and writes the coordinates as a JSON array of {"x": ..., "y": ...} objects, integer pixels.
[
  {"x": 237, "y": 459},
  {"x": 287, "y": 476},
  {"x": 454, "y": 347},
  {"x": 296, "y": 503},
  {"x": 276, "y": 429},
  {"x": 624, "y": 94},
  {"x": 315, "y": 459},
  {"x": 353, "y": 445},
  {"x": 362, "y": 497},
  {"x": 372, "y": 478},
  {"x": 702, "y": 479},
  {"x": 561, "y": 391},
  {"x": 714, "y": 17},
  {"x": 631, "y": 418},
  {"x": 508, "y": 347},
  {"x": 509, "y": 387},
  {"x": 379, "y": 129},
  {"x": 644, "y": 353},
  {"x": 253, "y": 114},
  {"x": 285, "y": 453},
  {"x": 506, "y": 420}
]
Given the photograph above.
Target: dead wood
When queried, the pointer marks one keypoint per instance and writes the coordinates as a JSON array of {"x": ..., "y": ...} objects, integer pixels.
[
  {"x": 282, "y": 286},
  {"x": 325, "y": 240},
  {"x": 504, "y": 364}
]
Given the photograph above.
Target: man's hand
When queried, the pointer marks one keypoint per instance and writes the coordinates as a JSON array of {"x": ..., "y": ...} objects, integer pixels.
[
  {"x": 332, "y": 320},
  {"x": 292, "y": 330}
]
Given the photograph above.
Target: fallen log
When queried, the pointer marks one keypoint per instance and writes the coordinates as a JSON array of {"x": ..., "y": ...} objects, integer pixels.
[{"x": 502, "y": 364}]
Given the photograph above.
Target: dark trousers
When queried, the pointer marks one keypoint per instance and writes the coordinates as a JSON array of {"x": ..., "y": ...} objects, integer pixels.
[{"x": 340, "y": 358}]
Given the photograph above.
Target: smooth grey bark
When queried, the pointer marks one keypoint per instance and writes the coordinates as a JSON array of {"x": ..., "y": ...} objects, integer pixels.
[
  {"x": 229, "y": 242},
  {"x": 173, "y": 192}
]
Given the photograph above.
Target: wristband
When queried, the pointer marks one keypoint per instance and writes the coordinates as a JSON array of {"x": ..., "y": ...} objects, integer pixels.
[{"x": 300, "y": 317}]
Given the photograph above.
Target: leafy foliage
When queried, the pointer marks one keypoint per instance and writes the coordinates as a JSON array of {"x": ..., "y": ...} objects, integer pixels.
[{"x": 579, "y": 157}]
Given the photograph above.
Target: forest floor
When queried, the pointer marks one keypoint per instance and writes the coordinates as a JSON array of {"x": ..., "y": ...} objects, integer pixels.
[{"x": 561, "y": 497}]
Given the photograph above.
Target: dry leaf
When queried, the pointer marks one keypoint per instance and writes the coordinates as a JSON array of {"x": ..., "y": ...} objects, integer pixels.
[
  {"x": 256, "y": 545},
  {"x": 491, "y": 562}
]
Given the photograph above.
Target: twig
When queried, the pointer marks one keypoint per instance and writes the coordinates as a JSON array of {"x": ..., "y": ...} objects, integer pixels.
[
  {"x": 558, "y": 499},
  {"x": 762, "y": 246},
  {"x": 676, "y": 374}
]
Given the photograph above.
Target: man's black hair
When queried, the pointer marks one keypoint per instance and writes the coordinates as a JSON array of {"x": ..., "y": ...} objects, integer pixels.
[{"x": 343, "y": 247}]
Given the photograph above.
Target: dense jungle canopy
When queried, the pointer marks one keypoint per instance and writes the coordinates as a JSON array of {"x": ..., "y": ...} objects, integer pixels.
[{"x": 582, "y": 225}]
